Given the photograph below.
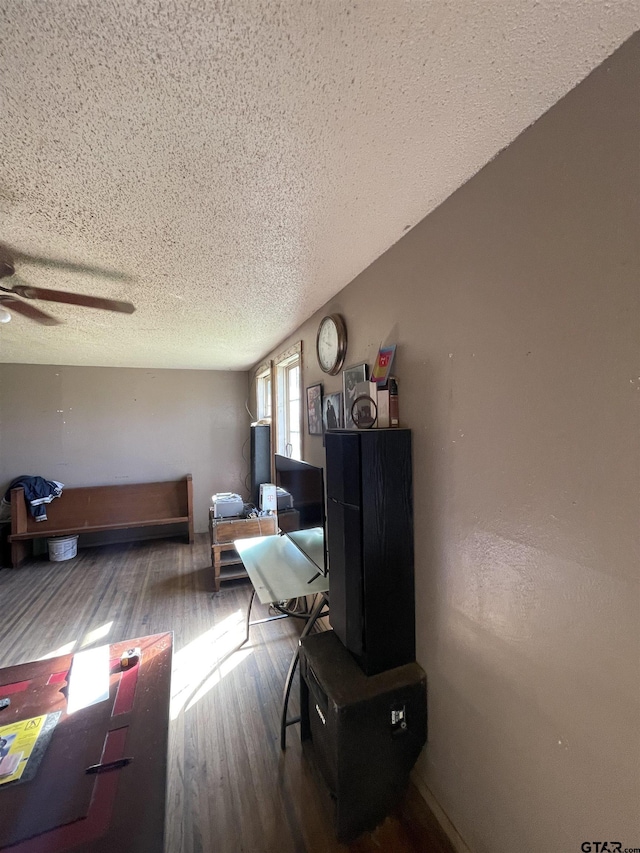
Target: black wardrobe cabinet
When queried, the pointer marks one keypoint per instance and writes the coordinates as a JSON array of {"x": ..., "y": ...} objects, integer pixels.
[{"x": 370, "y": 545}]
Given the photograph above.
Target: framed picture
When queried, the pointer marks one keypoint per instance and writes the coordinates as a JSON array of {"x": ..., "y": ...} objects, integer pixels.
[
  {"x": 350, "y": 378},
  {"x": 314, "y": 409},
  {"x": 332, "y": 415}
]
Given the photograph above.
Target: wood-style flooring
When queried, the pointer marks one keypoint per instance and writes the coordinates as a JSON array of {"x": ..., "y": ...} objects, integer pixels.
[{"x": 231, "y": 789}]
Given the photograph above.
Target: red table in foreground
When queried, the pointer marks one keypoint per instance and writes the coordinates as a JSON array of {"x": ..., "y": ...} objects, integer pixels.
[{"x": 60, "y": 807}]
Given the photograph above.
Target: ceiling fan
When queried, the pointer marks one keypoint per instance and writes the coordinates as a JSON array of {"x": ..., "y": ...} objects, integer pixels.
[{"x": 19, "y": 290}]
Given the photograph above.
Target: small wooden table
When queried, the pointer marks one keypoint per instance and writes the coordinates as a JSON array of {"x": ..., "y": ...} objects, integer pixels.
[
  {"x": 223, "y": 532},
  {"x": 62, "y": 807}
]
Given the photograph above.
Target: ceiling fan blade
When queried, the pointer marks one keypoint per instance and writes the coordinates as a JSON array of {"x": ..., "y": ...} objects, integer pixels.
[
  {"x": 29, "y": 292},
  {"x": 29, "y": 311},
  {"x": 39, "y": 261}
]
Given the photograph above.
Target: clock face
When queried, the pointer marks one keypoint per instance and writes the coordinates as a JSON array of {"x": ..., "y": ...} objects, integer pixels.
[{"x": 331, "y": 344}]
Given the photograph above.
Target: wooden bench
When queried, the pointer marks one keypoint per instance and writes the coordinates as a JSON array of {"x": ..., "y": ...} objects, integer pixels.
[{"x": 92, "y": 509}]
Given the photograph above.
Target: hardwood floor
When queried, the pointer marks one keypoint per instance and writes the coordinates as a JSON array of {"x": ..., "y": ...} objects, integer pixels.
[{"x": 231, "y": 789}]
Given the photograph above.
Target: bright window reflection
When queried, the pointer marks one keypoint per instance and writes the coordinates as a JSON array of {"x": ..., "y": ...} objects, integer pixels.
[{"x": 88, "y": 679}]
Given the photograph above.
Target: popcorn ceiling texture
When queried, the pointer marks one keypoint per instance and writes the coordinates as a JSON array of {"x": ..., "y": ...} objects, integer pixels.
[{"x": 243, "y": 161}]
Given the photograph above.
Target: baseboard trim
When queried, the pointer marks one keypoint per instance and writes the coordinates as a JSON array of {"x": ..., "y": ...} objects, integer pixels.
[{"x": 440, "y": 815}]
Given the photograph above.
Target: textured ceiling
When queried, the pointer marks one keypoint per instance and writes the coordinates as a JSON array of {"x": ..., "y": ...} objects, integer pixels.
[{"x": 243, "y": 161}]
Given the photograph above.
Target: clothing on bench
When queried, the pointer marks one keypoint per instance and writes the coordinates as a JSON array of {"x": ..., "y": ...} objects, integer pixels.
[{"x": 37, "y": 491}]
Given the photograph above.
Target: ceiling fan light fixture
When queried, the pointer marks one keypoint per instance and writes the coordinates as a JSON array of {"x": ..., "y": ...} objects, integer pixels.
[{"x": 26, "y": 291}]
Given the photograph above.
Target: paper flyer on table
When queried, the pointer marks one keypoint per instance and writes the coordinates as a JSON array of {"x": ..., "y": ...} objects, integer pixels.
[{"x": 17, "y": 741}]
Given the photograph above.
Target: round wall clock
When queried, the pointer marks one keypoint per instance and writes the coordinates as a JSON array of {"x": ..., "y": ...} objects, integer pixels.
[{"x": 331, "y": 343}]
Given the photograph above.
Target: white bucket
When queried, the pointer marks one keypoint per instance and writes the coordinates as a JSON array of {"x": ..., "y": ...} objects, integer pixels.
[{"x": 62, "y": 548}]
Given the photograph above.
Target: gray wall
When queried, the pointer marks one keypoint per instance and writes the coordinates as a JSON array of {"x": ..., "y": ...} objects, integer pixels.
[
  {"x": 515, "y": 309},
  {"x": 97, "y": 425}
]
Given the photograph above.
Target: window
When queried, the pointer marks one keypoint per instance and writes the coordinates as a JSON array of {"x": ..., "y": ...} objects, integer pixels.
[
  {"x": 263, "y": 392},
  {"x": 288, "y": 398}
]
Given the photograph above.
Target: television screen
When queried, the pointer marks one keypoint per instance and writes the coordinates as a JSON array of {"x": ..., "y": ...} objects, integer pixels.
[{"x": 301, "y": 513}]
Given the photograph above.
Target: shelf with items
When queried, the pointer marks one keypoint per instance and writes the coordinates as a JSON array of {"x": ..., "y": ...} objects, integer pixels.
[{"x": 223, "y": 532}]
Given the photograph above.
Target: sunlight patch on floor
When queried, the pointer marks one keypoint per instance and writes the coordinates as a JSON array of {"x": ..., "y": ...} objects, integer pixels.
[
  {"x": 89, "y": 638},
  {"x": 216, "y": 677},
  {"x": 63, "y": 650},
  {"x": 203, "y": 662},
  {"x": 96, "y": 634}
]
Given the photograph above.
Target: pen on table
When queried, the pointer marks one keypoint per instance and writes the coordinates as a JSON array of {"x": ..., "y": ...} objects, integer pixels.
[{"x": 109, "y": 765}]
